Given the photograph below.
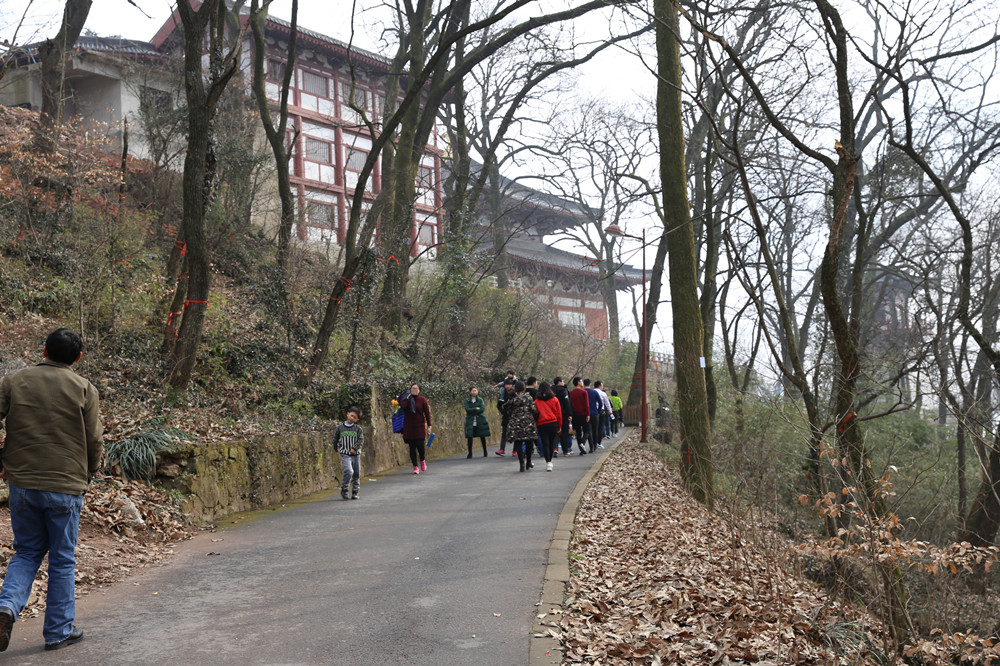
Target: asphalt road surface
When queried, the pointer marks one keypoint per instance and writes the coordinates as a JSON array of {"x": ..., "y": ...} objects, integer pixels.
[{"x": 441, "y": 568}]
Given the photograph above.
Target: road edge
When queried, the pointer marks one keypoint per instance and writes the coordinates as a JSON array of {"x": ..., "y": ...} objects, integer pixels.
[{"x": 543, "y": 649}]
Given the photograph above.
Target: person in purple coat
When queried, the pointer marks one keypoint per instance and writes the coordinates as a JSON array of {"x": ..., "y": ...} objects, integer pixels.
[{"x": 416, "y": 426}]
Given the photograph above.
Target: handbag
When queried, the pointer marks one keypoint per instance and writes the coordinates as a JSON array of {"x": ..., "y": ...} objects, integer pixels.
[{"x": 397, "y": 420}]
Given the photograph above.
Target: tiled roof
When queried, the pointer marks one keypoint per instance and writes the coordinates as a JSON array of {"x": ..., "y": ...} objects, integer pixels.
[
  {"x": 535, "y": 252},
  {"x": 518, "y": 192},
  {"x": 373, "y": 58},
  {"x": 121, "y": 45},
  {"x": 28, "y": 53}
]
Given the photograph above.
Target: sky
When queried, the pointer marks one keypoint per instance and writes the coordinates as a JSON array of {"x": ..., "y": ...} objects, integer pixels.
[{"x": 615, "y": 75}]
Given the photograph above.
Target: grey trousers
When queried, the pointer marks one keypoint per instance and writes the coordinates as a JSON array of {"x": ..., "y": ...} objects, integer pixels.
[{"x": 352, "y": 472}]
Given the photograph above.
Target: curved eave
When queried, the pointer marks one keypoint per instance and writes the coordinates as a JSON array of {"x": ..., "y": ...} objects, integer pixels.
[
  {"x": 357, "y": 55},
  {"x": 625, "y": 281}
]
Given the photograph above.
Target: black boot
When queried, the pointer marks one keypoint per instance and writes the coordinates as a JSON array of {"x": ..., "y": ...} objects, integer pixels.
[{"x": 520, "y": 460}]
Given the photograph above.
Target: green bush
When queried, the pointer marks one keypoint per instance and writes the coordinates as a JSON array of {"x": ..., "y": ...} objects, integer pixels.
[{"x": 136, "y": 455}]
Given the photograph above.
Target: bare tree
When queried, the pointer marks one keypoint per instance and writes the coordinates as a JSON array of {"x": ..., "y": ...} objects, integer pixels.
[
  {"x": 52, "y": 53},
  {"x": 276, "y": 134},
  {"x": 598, "y": 157},
  {"x": 427, "y": 40},
  {"x": 206, "y": 24}
]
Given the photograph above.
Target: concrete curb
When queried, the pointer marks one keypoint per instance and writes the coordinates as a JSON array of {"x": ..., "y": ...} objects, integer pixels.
[{"x": 547, "y": 650}]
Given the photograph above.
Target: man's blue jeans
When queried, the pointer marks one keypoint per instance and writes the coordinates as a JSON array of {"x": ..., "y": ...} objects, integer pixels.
[{"x": 44, "y": 522}]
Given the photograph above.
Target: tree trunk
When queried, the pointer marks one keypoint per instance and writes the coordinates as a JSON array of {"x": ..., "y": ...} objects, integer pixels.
[
  {"x": 709, "y": 289},
  {"x": 199, "y": 170},
  {"x": 276, "y": 135},
  {"x": 692, "y": 398},
  {"x": 52, "y": 53}
]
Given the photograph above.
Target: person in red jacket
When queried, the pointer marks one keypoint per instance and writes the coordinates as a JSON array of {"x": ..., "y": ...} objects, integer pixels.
[
  {"x": 549, "y": 421},
  {"x": 416, "y": 426},
  {"x": 580, "y": 400}
]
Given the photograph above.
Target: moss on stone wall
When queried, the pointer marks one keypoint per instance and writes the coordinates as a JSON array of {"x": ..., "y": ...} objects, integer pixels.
[{"x": 219, "y": 479}]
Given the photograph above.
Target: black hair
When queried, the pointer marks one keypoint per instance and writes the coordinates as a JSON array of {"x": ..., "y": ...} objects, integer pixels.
[
  {"x": 556, "y": 380},
  {"x": 510, "y": 372},
  {"x": 64, "y": 346},
  {"x": 586, "y": 382},
  {"x": 519, "y": 386},
  {"x": 576, "y": 381},
  {"x": 544, "y": 392},
  {"x": 472, "y": 387},
  {"x": 598, "y": 384},
  {"x": 531, "y": 380},
  {"x": 355, "y": 409},
  {"x": 614, "y": 392}
]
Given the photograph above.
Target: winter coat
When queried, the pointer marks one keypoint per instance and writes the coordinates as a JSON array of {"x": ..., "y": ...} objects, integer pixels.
[
  {"x": 522, "y": 411},
  {"x": 349, "y": 437},
  {"x": 54, "y": 431},
  {"x": 567, "y": 407},
  {"x": 549, "y": 411},
  {"x": 581, "y": 401},
  {"x": 417, "y": 415},
  {"x": 476, "y": 424}
]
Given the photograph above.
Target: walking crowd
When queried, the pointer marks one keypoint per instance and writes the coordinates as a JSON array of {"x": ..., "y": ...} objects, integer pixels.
[
  {"x": 549, "y": 417},
  {"x": 541, "y": 417}
]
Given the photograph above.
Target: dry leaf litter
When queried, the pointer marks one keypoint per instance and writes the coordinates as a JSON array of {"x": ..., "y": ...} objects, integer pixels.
[
  {"x": 658, "y": 579},
  {"x": 124, "y": 526}
]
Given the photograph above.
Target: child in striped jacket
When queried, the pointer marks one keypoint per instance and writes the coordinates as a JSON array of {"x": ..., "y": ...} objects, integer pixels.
[{"x": 348, "y": 438}]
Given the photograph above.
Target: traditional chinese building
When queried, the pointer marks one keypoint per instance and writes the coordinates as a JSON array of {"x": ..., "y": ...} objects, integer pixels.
[
  {"x": 330, "y": 141},
  {"x": 108, "y": 80},
  {"x": 563, "y": 282}
]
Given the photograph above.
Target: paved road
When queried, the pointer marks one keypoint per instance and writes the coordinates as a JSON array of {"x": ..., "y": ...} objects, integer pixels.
[{"x": 441, "y": 568}]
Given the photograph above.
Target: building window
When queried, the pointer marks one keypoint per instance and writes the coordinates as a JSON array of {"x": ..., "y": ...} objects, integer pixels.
[
  {"x": 425, "y": 185},
  {"x": 351, "y": 96},
  {"x": 314, "y": 84},
  {"x": 276, "y": 71},
  {"x": 320, "y": 214},
  {"x": 316, "y": 93},
  {"x": 354, "y": 162},
  {"x": 426, "y": 234},
  {"x": 318, "y": 151},
  {"x": 355, "y": 159},
  {"x": 572, "y": 319}
]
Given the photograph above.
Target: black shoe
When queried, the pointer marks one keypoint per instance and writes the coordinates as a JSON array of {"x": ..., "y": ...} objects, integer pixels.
[
  {"x": 343, "y": 494},
  {"x": 75, "y": 636},
  {"x": 355, "y": 495},
  {"x": 6, "y": 624},
  {"x": 470, "y": 455},
  {"x": 486, "y": 453}
]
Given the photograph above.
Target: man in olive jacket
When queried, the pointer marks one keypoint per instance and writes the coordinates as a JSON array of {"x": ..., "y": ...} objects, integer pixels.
[{"x": 52, "y": 448}]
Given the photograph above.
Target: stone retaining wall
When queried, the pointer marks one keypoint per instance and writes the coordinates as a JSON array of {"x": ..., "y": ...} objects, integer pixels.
[{"x": 218, "y": 479}]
